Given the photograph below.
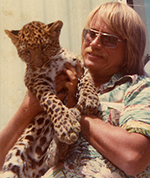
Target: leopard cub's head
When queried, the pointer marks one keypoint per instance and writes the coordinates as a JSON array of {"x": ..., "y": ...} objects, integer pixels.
[{"x": 36, "y": 42}]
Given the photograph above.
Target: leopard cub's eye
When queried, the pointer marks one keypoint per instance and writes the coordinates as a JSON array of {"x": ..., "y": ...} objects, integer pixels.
[
  {"x": 45, "y": 48},
  {"x": 22, "y": 49},
  {"x": 24, "y": 53}
]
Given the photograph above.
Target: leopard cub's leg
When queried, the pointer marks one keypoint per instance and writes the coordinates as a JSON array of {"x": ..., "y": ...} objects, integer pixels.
[
  {"x": 88, "y": 101},
  {"x": 20, "y": 160},
  {"x": 65, "y": 121}
]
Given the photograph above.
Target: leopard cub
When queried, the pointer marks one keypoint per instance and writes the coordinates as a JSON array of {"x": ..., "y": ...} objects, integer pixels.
[{"x": 45, "y": 141}]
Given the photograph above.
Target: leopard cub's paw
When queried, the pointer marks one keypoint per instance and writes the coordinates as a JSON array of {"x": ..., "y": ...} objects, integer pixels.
[
  {"x": 88, "y": 104},
  {"x": 67, "y": 126},
  {"x": 56, "y": 152},
  {"x": 92, "y": 105}
]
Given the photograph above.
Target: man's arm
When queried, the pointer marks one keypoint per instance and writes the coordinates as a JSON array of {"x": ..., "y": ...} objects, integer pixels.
[{"x": 128, "y": 151}]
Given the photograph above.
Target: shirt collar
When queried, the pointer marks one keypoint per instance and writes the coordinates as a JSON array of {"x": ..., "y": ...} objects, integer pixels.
[{"x": 116, "y": 79}]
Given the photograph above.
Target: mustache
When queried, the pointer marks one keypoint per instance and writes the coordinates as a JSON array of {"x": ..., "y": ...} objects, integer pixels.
[{"x": 95, "y": 52}]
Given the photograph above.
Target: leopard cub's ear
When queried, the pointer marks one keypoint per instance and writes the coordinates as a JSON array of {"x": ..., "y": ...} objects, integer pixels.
[
  {"x": 55, "y": 26},
  {"x": 13, "y": 35}
]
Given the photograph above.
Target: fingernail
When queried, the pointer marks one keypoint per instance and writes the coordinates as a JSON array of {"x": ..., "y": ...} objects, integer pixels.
[
  {"x": 64, "y": 69},
  {"x": 67, "y": 63}
]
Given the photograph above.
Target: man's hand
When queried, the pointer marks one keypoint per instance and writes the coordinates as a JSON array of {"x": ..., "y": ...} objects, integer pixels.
[{"x": 66, "y": 82}]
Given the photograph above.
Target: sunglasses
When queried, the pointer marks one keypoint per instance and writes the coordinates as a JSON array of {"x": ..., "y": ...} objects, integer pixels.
[{"x": 105, "y": 39}]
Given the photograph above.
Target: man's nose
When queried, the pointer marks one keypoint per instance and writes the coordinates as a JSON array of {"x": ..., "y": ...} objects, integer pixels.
[{"x": 96, "y": 42}]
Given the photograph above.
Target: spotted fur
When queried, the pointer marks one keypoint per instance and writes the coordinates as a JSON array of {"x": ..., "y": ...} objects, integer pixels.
[{"x": 45, "y": 141}]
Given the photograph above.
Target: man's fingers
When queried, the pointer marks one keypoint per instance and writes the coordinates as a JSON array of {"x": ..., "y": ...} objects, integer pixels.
[
  {"x": 61, "y": 96},
  {"x": 79, "y": 69},
  {"x": 68, "y": 80},
  {"x": 61, "y": 76},
  {"x": 60, "y": 86}
]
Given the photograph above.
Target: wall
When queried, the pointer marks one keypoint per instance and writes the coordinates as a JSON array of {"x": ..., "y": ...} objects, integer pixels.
[{"x": 13, "y": 15}]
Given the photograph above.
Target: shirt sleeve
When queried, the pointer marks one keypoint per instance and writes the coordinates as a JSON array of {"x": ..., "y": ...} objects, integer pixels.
[{"x": 135, "y": 116}]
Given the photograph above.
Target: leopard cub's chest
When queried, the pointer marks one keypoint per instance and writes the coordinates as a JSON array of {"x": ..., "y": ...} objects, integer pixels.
[{"x": 57, "y": 62}]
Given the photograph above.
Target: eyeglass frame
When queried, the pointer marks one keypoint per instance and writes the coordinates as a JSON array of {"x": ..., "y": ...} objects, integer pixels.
[{"x": 97, "y": 33}]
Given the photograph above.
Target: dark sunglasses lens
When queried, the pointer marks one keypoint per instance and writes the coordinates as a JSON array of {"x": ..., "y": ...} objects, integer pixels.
[
  {"x": 92, "y": 34},
  {"x": 89, "y": 35},
  {"x": 85, "y": 31},
  {"x": 109, "y": 41}
]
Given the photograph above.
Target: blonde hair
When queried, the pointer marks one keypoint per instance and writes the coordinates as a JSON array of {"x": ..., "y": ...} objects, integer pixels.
[{"x": 125, "y": 22}]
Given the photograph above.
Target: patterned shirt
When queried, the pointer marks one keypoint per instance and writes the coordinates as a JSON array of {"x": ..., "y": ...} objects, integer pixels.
[{"x": 125, "y": 102}]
